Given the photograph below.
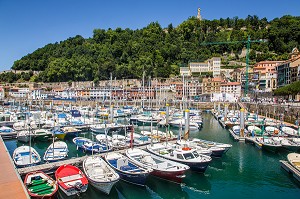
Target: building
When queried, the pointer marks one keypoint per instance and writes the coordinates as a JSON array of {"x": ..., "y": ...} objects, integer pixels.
[
  {"x": 233, "y": 88},
  {"x": 267, "y": 74},
  {"x": 211, "y": 85},
  {"x": 19, "y": 92},
  {"x": 288, "y": 71},
  {"x": 2, "y": 93},
  {"x": 185, "y": 71},
  {"x": 212, "y": 65}
]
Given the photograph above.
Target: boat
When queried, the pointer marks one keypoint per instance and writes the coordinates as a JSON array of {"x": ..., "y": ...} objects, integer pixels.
[
  {"x": 288, "y": 143},
  {"x": 272, "y": 131},
  {"x": 200, "y": 149},
  {"x": 255, "y": 130},
  {"x": 211, "y": 144},
  {"x": 90, "y": 146},
  {"x": 289, "y": 131},
  {"x": 71, "y": 180},
  {"x": 269, "y": 144},
  {"x": 180, "y": 123},
  {"x": 24, "y": 156},
  {"x": 6, "y": 129},
  {"x": 100, "y": 174},
  {"x": 70, "y": 131},
  {"x": 56, "y": 151},
  {"x": 59, "y": 133},
  {"x": 162, "y": 168},
  {"x": 294, "y": 160},
  {"x": 25, "y": 136},
  {"x": 185, "y": 155},
  {"x": 40, "y": 185},
  {"x": 127, "y": 169},
  {"x": 42, "y": 135}
]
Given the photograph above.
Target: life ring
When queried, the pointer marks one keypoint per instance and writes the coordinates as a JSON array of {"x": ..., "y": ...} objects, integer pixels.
[
  {"x": 275, "y": 131},
  {"x": 186, "y": 148}
]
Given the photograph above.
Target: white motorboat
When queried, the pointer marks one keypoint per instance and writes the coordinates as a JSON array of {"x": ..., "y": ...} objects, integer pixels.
[
  {"x": 100, "y": 174},
  {"x": 162, "y": 168},
  {"x": 185, "y": 155}
]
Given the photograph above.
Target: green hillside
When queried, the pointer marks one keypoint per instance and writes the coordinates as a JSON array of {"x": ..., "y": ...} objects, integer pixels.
[{"x": 157, "y": 50}]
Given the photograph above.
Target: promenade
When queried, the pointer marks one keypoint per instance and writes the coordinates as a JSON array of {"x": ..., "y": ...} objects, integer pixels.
[{"x": 11, "y": 185}]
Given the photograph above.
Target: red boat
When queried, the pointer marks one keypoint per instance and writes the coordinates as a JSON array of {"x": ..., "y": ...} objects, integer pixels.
[
  {"x": 40, "y": 185},
  {"x": 71, "y": 180}
]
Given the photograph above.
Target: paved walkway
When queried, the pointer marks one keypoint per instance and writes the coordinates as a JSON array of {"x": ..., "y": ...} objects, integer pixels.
[{"x": 11, "y": 186}]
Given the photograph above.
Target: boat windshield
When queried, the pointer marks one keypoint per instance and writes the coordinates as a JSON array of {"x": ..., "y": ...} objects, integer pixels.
[
  {"x": 195, "y": 154},
  {"x": 188, "y": 156}
]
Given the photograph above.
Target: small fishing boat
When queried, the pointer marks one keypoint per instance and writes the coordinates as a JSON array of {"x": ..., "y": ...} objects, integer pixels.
[
  {"x": 6, "y": 129},
  {"x": 26, "y": 156},
  {"x": 25, "y": 136},
  {"x": 211, "y": 144},
  {"x": 200, "y": 149},
  {"x": 42, "y": 135},
  {"x": 70, "y": 131},
  {"x": 269, "y": 144},
  {"x": 185, "y": 155},
  {"x": 289, "y": 131},
  {"x": 56, "y": 151},
  {"x": 40, "y": 185},
  {"x": 127, "y": 169},
  {"x": 294, "y": 160},
  {"x": 255, "y": 130},
  {"x": 288, "y": 143},
  {"x": 59, "y": 133},
  {"x": 100, "y": 174},
  {"x": 162, "y": 168},
  {"x": 71, "y": 180},
  {"x": 90, "y": 146}
]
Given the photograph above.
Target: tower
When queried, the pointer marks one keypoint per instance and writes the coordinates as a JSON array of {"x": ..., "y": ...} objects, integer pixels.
[{"x": 199, "y": 14}]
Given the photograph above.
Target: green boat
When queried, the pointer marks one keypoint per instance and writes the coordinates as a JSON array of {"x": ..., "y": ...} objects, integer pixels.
[{"x": 40, "y": 185}]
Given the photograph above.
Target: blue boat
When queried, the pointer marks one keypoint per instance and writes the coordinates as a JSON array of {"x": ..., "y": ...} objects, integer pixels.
[
  {"x": 128, "y": 170},
  {"x": 90, "y": 146}
]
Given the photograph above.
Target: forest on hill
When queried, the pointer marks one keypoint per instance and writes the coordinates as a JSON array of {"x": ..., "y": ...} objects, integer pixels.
[{"x": 156, "y": 50}]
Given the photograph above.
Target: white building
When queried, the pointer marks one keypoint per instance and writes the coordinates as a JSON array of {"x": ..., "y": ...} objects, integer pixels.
[
  {"x": 211, "y": 65},
  {"x": 2, "y": 93},
  {"x": 233, "y": 88},
  {"x": 100, "y": 93},
  {"x": 185, "y": 71},
  {"x": 19, "y": 92}
]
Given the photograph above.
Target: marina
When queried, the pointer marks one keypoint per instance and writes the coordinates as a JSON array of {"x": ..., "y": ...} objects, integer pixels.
[{"x": 244, "y": 166}]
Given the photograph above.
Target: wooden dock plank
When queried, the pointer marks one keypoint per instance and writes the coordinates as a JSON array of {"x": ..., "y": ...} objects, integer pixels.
[
  {"x": 11, "y": 185},
  {"x": 289, "y": 168}
]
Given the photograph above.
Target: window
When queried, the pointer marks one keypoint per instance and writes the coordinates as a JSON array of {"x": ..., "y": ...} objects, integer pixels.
[{"x": 179, "y": 156}]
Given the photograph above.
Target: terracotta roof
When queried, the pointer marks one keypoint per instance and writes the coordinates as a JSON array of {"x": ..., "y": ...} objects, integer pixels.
[{"x": 230, "y": 84}]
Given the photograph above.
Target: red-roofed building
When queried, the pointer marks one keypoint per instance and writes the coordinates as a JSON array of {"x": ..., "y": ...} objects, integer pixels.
[{"x": 233, "y": 88}]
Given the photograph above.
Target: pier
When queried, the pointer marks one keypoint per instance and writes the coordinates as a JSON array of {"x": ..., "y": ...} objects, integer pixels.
[
  {"x": 290, "y": 169},
  {"x": 11, "y": 185}
]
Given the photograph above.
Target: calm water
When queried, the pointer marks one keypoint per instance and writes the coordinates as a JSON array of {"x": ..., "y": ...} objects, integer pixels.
[{"x": 243, "y": 172}]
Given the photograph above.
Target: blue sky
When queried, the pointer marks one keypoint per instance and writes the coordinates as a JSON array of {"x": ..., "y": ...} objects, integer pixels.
[{"x": 26, "y": 25}]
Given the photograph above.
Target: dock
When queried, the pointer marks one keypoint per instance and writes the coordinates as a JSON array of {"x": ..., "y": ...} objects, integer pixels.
[
  {"x": 51, "y": 167},
  {"x": 236, "y": 137},
  {"x": 11, "y": 185},
  {"x": 290, "y": 169}
]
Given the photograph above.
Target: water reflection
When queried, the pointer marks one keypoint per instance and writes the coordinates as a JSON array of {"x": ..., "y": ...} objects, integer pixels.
[
  {"x": 165, "y": 189},
  {"x": 197, "y": 183}
]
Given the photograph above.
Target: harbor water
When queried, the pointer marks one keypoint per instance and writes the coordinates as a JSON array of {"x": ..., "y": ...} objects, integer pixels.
[{"x": 243, "y": 172}]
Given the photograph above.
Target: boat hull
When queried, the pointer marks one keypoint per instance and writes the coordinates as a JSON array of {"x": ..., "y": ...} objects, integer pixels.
[
  {"x": 137, "y": 179},
  {"x": 105, "y": 187},
  {"x": 72, "y": 191},
  {"x": 170, "y": 176}
]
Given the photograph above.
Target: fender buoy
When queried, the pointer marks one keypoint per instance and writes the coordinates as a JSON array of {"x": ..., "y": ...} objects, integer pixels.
[{"x": 186, "y": 148}]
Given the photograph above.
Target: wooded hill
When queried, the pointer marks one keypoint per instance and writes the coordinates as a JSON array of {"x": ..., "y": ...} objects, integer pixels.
[{"x": 157, "y": 51}]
